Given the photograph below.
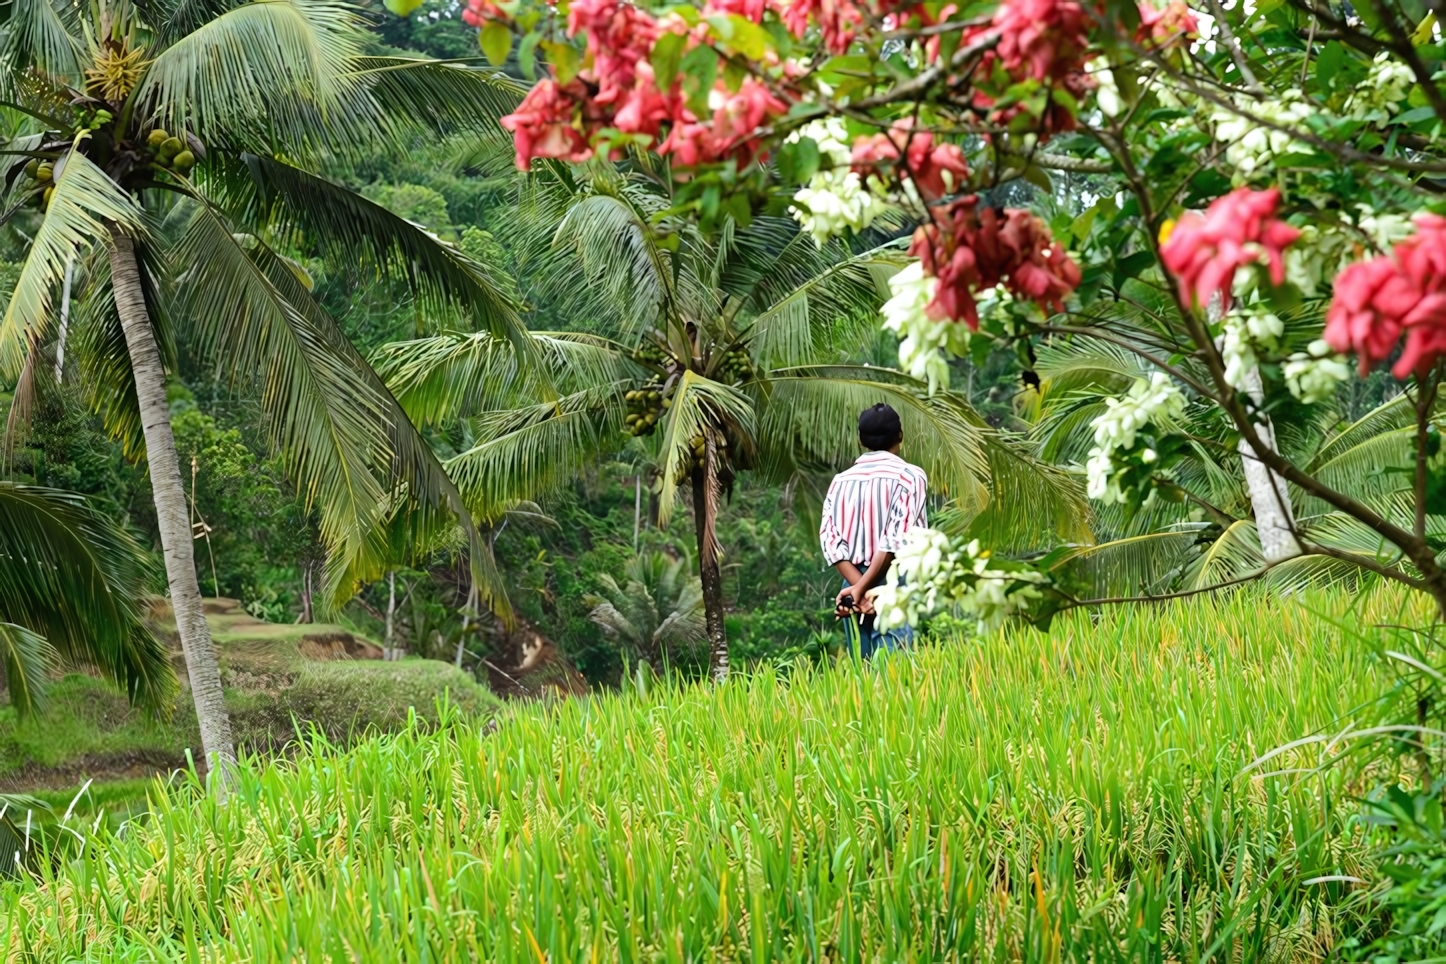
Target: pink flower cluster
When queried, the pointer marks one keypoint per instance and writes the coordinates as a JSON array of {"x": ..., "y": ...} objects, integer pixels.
[
  {"x": 1378, "y": 301},
  {"x": 969, "y": 249},
  {"x": 617, "y": 91},
  {"x": 1041, "y": 40},
  {"x": 1237, "y": 230},
  {"x": 935, "y": 169}
]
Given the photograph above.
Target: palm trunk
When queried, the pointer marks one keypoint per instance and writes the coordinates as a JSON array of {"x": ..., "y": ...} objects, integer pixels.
[
  {"x": 1274, "y": 518},
  {"x": 637, "y": 508},
  {"x": 171, "y": 516},
  {"x": 388, "y": 653},
  {"x": 705, "y": 515},
  {"x": 307, "y": 616}
]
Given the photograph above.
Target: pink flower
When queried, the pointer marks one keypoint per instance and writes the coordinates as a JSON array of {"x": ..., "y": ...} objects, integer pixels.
[
  {"x": 1161, "y": 29},
  {"x": 935, "y": 169},
  {"x": 968, "y": 250},
  {"x": 748, "y": 9},
  {"x": 1043, "y": 39},
  {"x": 479, "y": 12},
  {"x": 1236, "y": 230},
  {"x": 731, "y": 133},
  {"x": 838, "y": 20},
  {"x": 1378, "y": 300},
  {"x": 542, "y": 124}
]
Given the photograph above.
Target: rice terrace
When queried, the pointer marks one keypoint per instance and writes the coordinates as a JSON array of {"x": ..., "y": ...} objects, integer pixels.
[{"x": 731, "y": 480}]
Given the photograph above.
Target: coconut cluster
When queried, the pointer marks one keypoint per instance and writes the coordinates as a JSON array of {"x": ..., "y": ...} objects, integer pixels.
[{"x": 646, "y": 406}]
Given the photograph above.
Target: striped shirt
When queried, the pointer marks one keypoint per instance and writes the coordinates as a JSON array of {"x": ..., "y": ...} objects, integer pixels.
[{"x": 871, "y": 506}]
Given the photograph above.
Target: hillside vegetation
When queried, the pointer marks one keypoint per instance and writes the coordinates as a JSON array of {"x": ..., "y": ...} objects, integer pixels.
[
  {"x": 1082, "y": 795},
  {"x": 278, "y": 677}
]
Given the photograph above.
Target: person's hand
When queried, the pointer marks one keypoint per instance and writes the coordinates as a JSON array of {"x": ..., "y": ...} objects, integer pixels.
[
  {"x": 866, "y": 603},
  {"x": 855, "y": 591}
]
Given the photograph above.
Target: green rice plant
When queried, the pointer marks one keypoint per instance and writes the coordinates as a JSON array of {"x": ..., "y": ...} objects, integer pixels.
[{"x": 1080, "y": 796}]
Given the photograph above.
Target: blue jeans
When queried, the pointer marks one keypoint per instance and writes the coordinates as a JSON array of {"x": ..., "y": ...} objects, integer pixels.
[{"x": 861, "y": 636}]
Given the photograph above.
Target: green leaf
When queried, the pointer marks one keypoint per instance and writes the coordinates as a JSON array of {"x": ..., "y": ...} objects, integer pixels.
[
  {"x": 1329, "y": 62},
  {"x": 403, "y": 8},
  {"x": 805, "y": 159},
  {"x": 700, "y": 69},
  {"x": 667, "y": 54},
  {"x": 741, "y": 34},
  {"x": 565, "y": 59},
  {"x": 527, "y": 55},
  {"x": 496, "y": 41}
]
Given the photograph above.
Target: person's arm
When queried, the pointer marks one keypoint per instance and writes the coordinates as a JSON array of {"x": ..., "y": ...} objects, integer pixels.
[{"x": 835, "y": 547}]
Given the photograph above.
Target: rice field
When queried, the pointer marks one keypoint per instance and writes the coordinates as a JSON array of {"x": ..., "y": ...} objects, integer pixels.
[{"x": 1080, "y": 795}]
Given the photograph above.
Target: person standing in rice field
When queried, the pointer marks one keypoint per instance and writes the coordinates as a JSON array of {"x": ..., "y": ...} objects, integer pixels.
[{"x": 870, "y": 509}]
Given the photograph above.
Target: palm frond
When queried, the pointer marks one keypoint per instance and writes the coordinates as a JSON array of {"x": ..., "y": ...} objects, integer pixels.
[
  {"x": 698, "y": 402},
  {"x": 428, "y": 96},
  {"x": 344, "y": 439},
  {"x": 804, "y": 303},
  {"x": 811, "y": 413},
  {"x": 28, "y": 660},
  {"x": 1234, "y": 554},
  {"x": 263, "y": 71},
  {"x": 533, "y": 450},
  {"x": 1031, "y": 504},
  {"x": 74, "y": 580},
  {"x": 84, "y": 202},
  {"x": 36, "y": 36},
  {"x": 273, "y": 195},
  {"x": 458, "y": 375},
  {"x": 1144, "y": 564}
]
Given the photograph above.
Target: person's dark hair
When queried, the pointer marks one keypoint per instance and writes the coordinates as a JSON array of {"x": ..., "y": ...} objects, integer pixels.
[{"x": 879, "y": 428}]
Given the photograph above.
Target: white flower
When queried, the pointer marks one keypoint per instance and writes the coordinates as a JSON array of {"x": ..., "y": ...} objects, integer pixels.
[
  {"x": 1251, "y": 145},
  {"x": 1315, "y": 374},
  {"x": 835, "y": 198},
  {"x": 1379, "y": 97},
  {"x": 932, "y": 574},
  {"x": 1107, "y": 93},
  {"x": 1156, "y": 401},
  {"x": 1324, "y": 250},
  {"x": 922, "y": 340},
  {"x": 1247, "y": 330}
]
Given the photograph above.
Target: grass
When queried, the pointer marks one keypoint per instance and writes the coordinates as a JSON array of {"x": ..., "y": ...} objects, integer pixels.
[{"x": 1077, "y": 796}]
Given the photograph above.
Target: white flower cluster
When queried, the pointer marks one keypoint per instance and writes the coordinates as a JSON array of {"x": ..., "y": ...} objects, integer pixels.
[
  {"x": 1323, "y": 251},
  {"x": 933, "y": 573},
  {"x": 1314, "y": 374},
  {"x": 1156, "y": 401},
  {"x": 922, "y": 340},
  {"x": 1250, "y": 145},
  {"x": 1379, "y": 97},
  {"x": 835, "y": 199},
  {"x": 1246, "y": 330}
]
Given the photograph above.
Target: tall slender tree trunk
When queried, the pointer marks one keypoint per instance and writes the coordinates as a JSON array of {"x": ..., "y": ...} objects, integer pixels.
[
  {"x": 1274, "y": 515},
  {"x": 705, "y": 516},
  {"x": 637, "y": 508},
  {"x": 307, "y": 616},
  {"x": 388, "y": 653},
  {"x": 171, "y": 515}
]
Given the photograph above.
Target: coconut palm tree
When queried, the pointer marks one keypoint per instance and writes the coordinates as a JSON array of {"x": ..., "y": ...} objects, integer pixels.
[
  {"x": 176, "y": 147},
  {"x": 657, "y": 612},
  {"x": 71, "y": 593},
  {"x": 737, "y": 351}
]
